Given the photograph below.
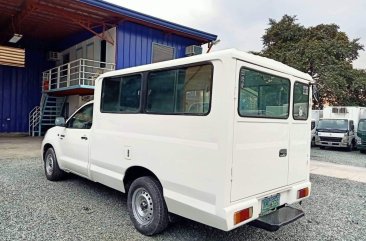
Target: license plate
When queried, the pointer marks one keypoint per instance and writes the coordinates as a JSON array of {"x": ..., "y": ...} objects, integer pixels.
[{"x": 270, "y": 203}]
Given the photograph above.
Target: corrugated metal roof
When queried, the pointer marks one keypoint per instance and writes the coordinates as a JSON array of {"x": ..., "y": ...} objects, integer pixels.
[
  {"x": 53, "y": 20},
  {"x": 150, "y": 19}
]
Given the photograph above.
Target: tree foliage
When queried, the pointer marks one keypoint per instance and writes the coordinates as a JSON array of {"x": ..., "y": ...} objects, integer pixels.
[{"x": 323, "y": 51}]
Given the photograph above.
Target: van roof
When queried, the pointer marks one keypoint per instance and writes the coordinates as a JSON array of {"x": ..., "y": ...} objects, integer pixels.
[{"x": 234, "y": 53}]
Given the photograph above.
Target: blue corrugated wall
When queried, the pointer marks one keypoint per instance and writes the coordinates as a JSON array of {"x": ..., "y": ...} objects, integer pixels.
[
  {"x": 134, "y": 44},
  {"x": 20, "y": 88},
  {"x": 20, "y": 91}
]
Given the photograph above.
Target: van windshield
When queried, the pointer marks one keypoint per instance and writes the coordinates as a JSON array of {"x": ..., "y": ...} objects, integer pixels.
[
  {"x": 334, "y": 125},
  {"x": 362, "y": 125}
]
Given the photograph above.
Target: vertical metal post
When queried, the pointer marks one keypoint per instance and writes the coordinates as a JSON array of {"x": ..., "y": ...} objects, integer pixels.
[
  {"x": 68, "y": 75},
  {"x": 80, "y": 71},
  {"x": 84, "y": 72},
  {"x": 58, "y": 77},
  {"x": 49, "y": 79}
]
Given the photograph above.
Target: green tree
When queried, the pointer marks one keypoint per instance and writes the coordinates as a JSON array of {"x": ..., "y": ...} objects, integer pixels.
[{"x": 323, "y": 51}]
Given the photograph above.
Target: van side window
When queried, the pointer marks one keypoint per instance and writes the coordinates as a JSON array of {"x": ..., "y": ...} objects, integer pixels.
[
  {"x": 121, "y": 94},
  {"x": 263, "y": 95},
  {"x": 180, "y": 91},
  {"x": 301, "y": 101}
]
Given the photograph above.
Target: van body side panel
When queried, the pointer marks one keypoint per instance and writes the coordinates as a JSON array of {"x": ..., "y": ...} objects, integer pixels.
[{"x": 188, "y": 154}]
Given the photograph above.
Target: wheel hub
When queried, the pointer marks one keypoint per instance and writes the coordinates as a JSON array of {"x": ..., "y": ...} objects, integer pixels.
[
  {"x": 49, "y": 164},
  {"x": 142, "y": 206}
]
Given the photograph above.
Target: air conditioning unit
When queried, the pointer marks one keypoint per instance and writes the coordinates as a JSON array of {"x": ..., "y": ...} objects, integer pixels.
[
  {"x": 54, "y": 56},
  {"x": 193, "y": 50}
]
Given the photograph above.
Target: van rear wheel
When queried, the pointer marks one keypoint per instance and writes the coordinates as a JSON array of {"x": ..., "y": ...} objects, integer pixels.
[{"x": 146, "y": 206}]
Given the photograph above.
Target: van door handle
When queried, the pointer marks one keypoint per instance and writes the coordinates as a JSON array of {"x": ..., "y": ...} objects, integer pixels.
[
  {"x": 84, "y": 138},
  {"x": 283, "y": 153}
]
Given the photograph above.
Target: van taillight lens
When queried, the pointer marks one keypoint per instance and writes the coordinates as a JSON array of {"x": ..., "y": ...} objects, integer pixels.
[
  {"x": 243, "y": 215},
  {"x": 303, "y": 193}
]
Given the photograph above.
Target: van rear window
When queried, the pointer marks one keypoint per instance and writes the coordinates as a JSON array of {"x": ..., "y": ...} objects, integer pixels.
[
  {"x": 263, "y": 95},
  {"x": 301, "y": 101}
]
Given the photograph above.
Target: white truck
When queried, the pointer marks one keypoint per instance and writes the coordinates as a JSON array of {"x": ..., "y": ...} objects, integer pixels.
[
  {"x": 220, "y": 138},
  {"x": 338, "y": 127}
]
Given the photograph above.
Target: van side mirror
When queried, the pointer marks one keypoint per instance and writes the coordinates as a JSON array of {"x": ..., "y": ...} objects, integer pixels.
[{"x": 60, "y": 121}]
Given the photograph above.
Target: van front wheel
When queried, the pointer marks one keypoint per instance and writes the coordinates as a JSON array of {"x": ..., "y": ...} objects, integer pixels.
[
  {"x": 51, "y": 168},
  {"x": 146, "y": 206}
]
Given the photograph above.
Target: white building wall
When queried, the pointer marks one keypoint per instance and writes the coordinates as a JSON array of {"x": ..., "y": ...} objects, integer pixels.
[
  {"x": 88, "y": 49},
  {"x": 80, "y": 50},
  {"x": 75, "y": 101}
]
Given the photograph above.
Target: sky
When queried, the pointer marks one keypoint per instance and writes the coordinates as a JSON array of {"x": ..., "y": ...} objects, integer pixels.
[{"x": 241, "y": 24}]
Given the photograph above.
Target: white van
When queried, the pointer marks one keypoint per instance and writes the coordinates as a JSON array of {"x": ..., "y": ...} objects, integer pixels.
[{"x": 220, "y": 138}]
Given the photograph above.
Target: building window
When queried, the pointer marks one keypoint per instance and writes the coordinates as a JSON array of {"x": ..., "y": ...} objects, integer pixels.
[
  {"x": 162, "y": 53},
  {"x": 301, "y": 101},
  {"x": 263, "y": 95},
  {"x": 180, "y": 91},
  {"x": 121, "y": 94}
]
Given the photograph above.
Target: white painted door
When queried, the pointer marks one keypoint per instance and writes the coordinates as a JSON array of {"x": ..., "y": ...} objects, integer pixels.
[
  {"x": 300, "y": 134},
  {"x": 261, "y": 132},
  {"x": 74, "y": 141}
]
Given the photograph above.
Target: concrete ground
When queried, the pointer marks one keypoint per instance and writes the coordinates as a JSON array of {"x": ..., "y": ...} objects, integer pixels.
[
  {"x": 351, "y": 173},
  {"x": 13, "y": 147}
]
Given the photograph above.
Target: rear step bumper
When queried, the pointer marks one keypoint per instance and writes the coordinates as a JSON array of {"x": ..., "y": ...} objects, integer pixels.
[{"x": 273, "y": 221}]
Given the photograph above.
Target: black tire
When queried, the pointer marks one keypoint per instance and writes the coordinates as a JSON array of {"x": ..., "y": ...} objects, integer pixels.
[
  {"x": 363, "y": 151},
  {"x": 51, "y": 168},
  {"x": 148, "y": 192},
  {"x": 322, "y": 147}
]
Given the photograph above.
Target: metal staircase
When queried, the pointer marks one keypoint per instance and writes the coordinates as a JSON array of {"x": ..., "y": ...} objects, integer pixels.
[{"x": 42, "y": 118}]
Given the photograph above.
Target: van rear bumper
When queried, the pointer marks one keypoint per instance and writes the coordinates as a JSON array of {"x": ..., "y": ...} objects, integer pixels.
[
  {"x": 223, "y": 218},
  {"x": 288, "y": 196}
]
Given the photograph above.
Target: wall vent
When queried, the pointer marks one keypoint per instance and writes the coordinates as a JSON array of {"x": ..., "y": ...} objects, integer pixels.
[
  {"x": 162, "y": 53},
  {"x": 12, "y": 56}
]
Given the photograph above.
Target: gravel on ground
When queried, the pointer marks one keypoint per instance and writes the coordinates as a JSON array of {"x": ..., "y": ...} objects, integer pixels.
[{"x": 32, "y": 208}]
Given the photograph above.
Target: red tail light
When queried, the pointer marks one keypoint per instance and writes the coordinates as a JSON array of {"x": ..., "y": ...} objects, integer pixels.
[
  {"x": 243, "y": 215},
  {"x": 303, "y": 193}
]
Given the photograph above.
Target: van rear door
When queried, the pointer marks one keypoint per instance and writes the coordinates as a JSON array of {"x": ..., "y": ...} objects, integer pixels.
[
  {"x": 261, "y": 132},
  {"x": 300, "y": 135}
]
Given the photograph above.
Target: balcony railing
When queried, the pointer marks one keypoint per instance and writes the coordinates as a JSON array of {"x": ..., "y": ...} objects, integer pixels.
[{"x": 79, "y": 73}]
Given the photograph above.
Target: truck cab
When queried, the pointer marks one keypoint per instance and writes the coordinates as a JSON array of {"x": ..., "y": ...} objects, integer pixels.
[
  {"x": 336, "y": 133},
  {"x": 361, "y": 136}
]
